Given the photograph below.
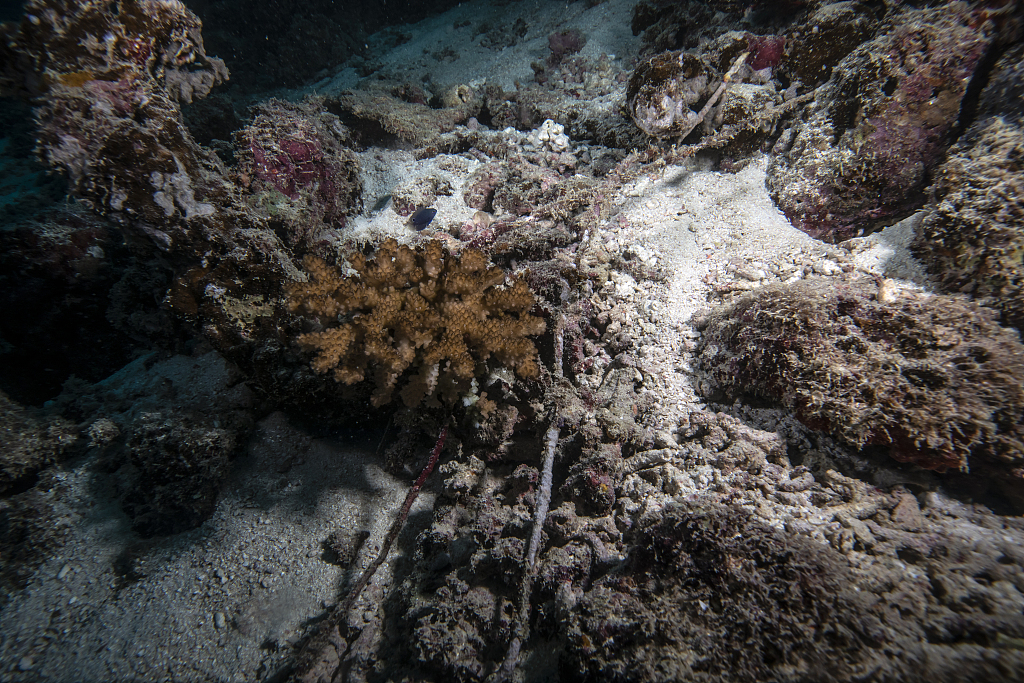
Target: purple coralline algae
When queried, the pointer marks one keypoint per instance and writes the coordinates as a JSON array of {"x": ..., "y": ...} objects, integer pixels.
[
  {"x": 881, "y": 124},
  {"x": 298, "y": 150}
]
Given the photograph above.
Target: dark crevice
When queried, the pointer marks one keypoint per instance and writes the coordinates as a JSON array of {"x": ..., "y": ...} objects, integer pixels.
[{"x": 972, "y": 96}]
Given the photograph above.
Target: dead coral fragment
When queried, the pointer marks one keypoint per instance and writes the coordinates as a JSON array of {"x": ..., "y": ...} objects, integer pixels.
[
  {"x": 421, "y": 308},
  {"x": 934, "y": 379}
]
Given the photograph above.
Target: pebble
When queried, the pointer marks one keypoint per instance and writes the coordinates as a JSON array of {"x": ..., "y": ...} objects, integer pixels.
[
  {"x": 219, "y": 620},
  {"x": 25, "y": 664},
  {"x": 63, "y": 572},
  {"x": 663, "y": 439},
  {"x": 825, "y": 267},
  {"x": 749, "y": 273}
]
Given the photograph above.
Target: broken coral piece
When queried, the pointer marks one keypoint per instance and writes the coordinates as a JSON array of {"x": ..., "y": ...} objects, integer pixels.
[{"x": 421, "y": 310}]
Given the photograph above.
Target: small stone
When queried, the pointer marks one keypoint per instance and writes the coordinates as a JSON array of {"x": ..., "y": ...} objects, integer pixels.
[
  {"x": 63, "y": 572},
  {"x": 826, "y": 267},
  {"x": 887, "y": 291},
  {"x": 860, "y": 530},
  {"x": 663, "y": 439},
  {"x": 219, "y": 620},
  {"x": 907, "y": 514},
  {"x": 25, "y": 664}
]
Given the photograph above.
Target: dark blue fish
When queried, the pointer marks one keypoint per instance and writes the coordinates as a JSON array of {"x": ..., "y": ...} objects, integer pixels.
[{"x": 422, "y": 217}]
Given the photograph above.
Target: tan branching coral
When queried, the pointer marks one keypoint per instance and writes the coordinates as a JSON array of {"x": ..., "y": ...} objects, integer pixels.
[{"x": 416, "y": 309}]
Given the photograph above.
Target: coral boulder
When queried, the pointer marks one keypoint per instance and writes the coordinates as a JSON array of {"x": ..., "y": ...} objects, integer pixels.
[{"x": 932, "y": 379}]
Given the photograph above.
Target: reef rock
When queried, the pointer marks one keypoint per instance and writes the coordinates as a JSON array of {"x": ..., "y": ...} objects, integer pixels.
[
  {"x": 667, "y": 90},
  {"x": 881, "y": 124},
  {"x": 932, "y": 379},
  {"x": 973, "y": 236}
]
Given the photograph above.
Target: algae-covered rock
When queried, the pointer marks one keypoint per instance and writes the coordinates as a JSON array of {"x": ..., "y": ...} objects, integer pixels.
[
  {"x": 666, "y": 91},
  {"x": 28, "y": 443},
  {"x": 175, "y": 466},
  {"x": 815, "y": 46},
  {"x": 881, "y": 124},
  {"x": 297, "y": 150},
  {"x": 709, "y": 595},
  {"x": 972, "y": 239},
  {"x": 932, "y": 379}
]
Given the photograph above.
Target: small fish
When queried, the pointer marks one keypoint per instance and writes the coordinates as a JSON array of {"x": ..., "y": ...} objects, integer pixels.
[
  {"x": 381, "y": 204},
  {"x": 422, "y": 217}
]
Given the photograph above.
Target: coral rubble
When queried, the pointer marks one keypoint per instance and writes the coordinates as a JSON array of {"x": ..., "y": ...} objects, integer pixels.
[
  {"x": 416, "y": 308},
  {"x": 933, "y": 380}
]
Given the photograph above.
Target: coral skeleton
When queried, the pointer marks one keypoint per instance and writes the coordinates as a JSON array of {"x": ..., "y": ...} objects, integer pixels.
[
  {"x": 421, "y": 308},
  {"x": 511, "y": 660},
  {"x": 694, "y": 120}
]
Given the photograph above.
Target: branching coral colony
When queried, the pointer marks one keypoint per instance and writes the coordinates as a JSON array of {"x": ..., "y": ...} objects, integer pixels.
[{"x": 422, "y": 308}]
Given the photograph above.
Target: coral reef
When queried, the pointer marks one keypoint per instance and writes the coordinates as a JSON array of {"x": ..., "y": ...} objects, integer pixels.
[
  {"x": 106, "y": 86},
  {"x": 881, "y": 124},
  {"x": 212, "y": 247},
  {"x": 94, "y": 69},
  {"x": 592, "y": 521},
  {"x": 149, "y": 42},
  {"x": 933, "y": 380},
  {"x": 708, "y": 566},
  {"x": 438, "y": 313}
]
